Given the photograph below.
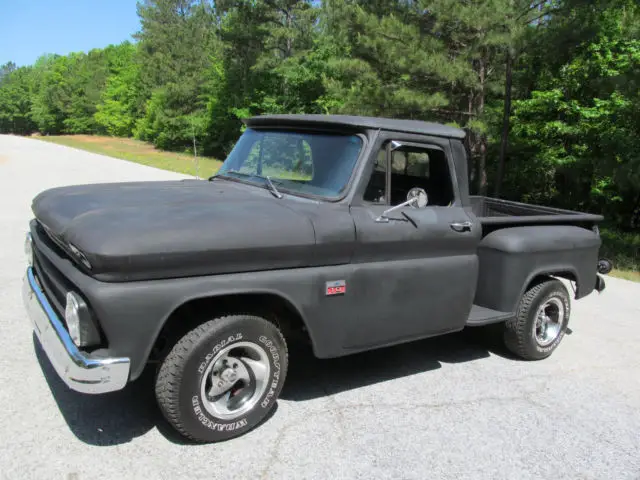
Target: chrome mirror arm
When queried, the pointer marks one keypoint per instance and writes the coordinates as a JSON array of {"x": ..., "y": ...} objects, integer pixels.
[{"x": 384, "y": 216}]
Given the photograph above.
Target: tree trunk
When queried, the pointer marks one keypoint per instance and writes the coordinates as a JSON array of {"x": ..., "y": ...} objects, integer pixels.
[
  {"x": 482, "y": 154},
  {"x": 505, "y": 125},
  {"x": 482, "y": 166},
  {"x": 471, "y": 164},
  {"x": 635, "y": 215},
  {"x": 289, "y": 39}
]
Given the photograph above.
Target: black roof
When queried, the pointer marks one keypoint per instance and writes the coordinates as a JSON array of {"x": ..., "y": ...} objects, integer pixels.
[{"x": 410, "y": 126}]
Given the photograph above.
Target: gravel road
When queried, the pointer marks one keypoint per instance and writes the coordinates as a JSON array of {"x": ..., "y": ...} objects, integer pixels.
[{"x": 451, "y": 407}]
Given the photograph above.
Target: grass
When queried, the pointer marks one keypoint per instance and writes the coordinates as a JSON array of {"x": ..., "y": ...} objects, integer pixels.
[
  {"x": 623, "y": 249},
  {"x": 634, "y": 276},
  {"x": 138, "y": 152}
]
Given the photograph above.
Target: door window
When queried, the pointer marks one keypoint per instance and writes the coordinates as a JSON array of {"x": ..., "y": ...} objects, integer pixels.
[{"x": 411, "y": 167}]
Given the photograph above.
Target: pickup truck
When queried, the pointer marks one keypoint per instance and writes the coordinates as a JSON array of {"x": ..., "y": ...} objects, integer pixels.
[{"x": 348, "y": 233}]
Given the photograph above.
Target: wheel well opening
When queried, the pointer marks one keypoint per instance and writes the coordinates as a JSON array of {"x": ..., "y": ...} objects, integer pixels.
[
  {"x": 562, "y": 274},
  {"x": 189, "y": 315}
]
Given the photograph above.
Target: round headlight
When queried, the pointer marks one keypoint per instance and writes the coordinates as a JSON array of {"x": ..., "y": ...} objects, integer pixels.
[
  {"x": 72, "y": 317},
  {"x": 28, "y": 248},
  {"x": 80, "y": 323}
]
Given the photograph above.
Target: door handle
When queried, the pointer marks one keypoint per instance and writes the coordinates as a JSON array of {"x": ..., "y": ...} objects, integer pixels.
[{"x": 461, "y": 226}]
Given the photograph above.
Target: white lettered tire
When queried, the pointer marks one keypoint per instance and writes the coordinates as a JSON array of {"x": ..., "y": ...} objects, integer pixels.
[{"x": 222, "y": 378}]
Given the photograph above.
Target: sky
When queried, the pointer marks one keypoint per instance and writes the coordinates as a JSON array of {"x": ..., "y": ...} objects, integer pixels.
[{"x": 30, "y": 28}]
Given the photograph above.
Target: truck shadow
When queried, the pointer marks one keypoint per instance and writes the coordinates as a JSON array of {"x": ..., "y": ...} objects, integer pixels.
[
  {"x": 309, "y": 377},
  {"x": 119, "y": 417},
  {"x": 103, "y": 420}
]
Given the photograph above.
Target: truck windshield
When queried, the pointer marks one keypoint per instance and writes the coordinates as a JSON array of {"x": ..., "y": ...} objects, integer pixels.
[{"x": 317, "y": 164}]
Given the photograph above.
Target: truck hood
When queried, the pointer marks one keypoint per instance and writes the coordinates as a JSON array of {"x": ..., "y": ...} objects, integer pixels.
[{"x": 143, "y": 230}]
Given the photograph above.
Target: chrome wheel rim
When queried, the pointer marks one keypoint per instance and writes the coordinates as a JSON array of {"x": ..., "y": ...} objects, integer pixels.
[
  {"x": 549, "y": 320},
  {"x": 234, "y": 380}
]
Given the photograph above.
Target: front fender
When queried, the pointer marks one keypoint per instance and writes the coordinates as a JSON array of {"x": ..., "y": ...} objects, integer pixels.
[{"x": 133, "y": 314}]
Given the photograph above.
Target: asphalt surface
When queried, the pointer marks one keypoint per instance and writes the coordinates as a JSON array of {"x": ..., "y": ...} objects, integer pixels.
[{"x": 451, "y": 407}]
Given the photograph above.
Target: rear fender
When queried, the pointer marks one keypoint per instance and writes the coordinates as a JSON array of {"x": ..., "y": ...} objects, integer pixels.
[{"x": 512, "y": 258}]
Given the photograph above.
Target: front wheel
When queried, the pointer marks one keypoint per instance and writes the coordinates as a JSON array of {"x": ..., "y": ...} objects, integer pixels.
[
  {"x": 222, "y": 378},
  {"x": 541, "y": 321}
]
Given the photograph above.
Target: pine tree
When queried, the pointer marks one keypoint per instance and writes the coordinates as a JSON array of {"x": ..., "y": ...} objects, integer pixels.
[
  {"x": 177, "y": 45},
  {"x": 268, "y": 66},
  {"x": 437, "y": 60}
]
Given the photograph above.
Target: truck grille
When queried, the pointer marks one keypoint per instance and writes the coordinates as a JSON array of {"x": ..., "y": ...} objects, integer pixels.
[{"x": 53, "y": 283}]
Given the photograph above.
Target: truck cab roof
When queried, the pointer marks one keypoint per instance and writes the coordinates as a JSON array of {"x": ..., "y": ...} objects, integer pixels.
[{"x": 358, "y": 122}]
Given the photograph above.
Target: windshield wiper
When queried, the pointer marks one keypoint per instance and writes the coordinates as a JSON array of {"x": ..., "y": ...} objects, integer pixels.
[{"x": 272, "y": 188}]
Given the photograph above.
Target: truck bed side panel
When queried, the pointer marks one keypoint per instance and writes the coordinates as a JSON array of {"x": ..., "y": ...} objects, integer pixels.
[
  {"x": 496, "y": 213},
  {"x": 510, "y": 258}
]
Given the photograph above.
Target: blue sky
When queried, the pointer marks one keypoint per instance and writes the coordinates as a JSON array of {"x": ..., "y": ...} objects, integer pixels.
[{"x": 29, "y": 28}]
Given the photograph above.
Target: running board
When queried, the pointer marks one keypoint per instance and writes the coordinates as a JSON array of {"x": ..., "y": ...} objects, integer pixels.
[{"x": 484, "y": 316}]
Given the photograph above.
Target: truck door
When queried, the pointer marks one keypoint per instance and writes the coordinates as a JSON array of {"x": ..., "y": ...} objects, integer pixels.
[{"x": 415, "y": 269}]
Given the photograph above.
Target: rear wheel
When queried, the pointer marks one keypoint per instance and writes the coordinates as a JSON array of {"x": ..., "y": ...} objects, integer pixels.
[
  {"x": 541, "y": 321},
  {"x": 222, "y": 378}
]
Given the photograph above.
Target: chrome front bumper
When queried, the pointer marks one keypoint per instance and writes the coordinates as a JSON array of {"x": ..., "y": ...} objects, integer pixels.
[{"x": 79, "y": 370}]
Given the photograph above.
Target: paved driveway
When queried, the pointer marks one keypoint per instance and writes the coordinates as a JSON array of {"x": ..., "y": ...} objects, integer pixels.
[{"x": 450, "y": 407}]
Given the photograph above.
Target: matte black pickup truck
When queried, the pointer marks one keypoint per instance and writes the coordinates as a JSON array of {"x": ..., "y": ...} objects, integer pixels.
[{"x": 350, "y": 233}]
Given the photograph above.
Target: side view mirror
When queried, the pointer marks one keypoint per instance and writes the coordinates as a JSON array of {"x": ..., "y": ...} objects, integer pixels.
[{"x": 416, "y": 198}]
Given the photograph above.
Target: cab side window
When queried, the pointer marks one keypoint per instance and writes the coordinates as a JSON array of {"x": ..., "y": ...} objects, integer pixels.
[{"x": 411, "y": 166}]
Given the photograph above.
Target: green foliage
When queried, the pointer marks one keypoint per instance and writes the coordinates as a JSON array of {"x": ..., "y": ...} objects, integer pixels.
[
  {"x": 578, "y": 135},
  {"x": 15, "y": 101},
  {"x": 166, "y": 123},
  {"x": 177, "y": 47},
  {"x": 387, "y": 63},
  {"x": 200, "y": 66},
  {"x": 6, "y": 69},
  {"x": 120, "y": 101},
  {"x": 622, "y": 248},
  {"x": 269, "y": 64}
]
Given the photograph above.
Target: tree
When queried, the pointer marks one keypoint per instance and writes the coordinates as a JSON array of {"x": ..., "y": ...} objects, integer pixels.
[
  {"x": 15, "y": 102},
  {"x": 66, "y": 91},
  {"x": 578, "y": 130},
  {"x": 526, "y": 15},
  {"x": 385, "y": 63},
  {"x": 6, "y": 69},
  {"x": 268, "y": 64},
  {"x": 121, "y": 100},
  {"x": 177, "y": 47},
  {"x": 439, "y": 60}
]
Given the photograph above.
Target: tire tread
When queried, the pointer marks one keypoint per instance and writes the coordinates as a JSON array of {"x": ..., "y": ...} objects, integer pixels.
[
  {"x": 516, "y": 329},
  {"x": 168, "y": 379}
]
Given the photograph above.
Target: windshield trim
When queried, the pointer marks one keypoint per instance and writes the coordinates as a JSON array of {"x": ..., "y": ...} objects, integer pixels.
[{"x": 296, "y": 193}]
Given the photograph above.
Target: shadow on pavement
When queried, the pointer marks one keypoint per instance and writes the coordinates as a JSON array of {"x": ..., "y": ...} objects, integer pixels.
[
  {"x": 119, "y": 417},
  {"x": 108, "y": 419},
  {"x": 309, "y": 377},
  {"x": 113, "y": 418}
]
